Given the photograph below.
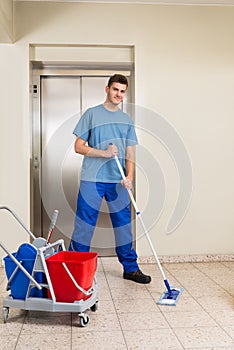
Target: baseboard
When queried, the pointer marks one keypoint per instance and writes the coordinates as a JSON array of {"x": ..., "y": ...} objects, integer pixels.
[
  {"x": 170, "y": 259},
  {"x": 166, "y": 259}
]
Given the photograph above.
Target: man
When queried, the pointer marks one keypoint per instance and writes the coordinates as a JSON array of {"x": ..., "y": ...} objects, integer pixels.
[{"x": 103, "y": 132}]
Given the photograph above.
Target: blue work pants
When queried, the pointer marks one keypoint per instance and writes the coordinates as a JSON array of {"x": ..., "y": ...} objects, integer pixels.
[{"x": 88, "y": 206}]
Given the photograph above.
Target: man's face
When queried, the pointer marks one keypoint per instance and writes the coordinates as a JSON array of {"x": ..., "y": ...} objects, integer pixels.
[{"x": 115, "y": 93}]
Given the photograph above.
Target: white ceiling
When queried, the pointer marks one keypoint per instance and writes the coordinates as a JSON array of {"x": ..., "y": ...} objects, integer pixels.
[{"x": 171, "y": 2}]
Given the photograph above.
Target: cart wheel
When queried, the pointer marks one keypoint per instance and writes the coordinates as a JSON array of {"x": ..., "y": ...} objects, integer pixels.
[
  {"x": 84, "y": 320},
  {"x": 94, "y": 307},
  {"x": 5, "y": 311}
]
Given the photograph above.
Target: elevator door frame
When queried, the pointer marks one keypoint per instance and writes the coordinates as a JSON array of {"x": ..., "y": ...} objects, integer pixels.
[{"x": 59, "y": 70}]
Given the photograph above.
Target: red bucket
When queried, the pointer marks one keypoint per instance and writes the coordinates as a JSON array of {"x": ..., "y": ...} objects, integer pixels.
[{"x": 82, "y": 267}]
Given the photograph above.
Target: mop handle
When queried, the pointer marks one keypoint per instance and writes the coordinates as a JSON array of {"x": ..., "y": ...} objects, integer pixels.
[
  {"x": 138, "y": 213},
  {"x": 129, "y": 191},
  {"x": 52, "y": 224}
]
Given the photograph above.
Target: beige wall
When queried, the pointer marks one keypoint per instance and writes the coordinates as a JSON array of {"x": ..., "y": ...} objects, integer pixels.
[
  {"x": 184, "y": 61},
  {"x": 6, "y": 21}
]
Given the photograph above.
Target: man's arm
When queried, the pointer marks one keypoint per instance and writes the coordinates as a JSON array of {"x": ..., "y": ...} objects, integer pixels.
[{"x": 82, "y": 148}]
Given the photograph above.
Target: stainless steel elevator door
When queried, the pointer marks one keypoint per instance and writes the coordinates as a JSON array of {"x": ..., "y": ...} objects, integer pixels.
[
  {"x": 60, "y": 107},
  {"x": 63, "y": 100}
]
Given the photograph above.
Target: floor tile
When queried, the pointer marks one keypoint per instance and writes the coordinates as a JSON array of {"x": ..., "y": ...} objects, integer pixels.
[
  {"x": 99, "y": 265},
  {"x": 230, "y": 331},
  {"x": 128, "y": 317},
  {"x": 203, "y": 337},
  {"x": 214, "y": 348},
  {"x": 45, "y": 342},
  {"x": 189, "y": 319},
  {"x": 8, "y": 342},
  {"x": 206, "y": 289},
  {"x": 156, "y": 285},
  {"x": 229, "y": 264},
  {"x": 3, "y": 293},
  {"x": 203, "y": 266},
  {"x": 104, "y": 306},
  {"x": 98, "y": 323},
  {"x": 12, "y": 327},
  {"x": 189, "y": 274},
  {"x": 151, "y": 269},
  {"x": 223, "y": 317},
  {"x": 103, "y": 341},
  {"x": 223, "y": 279},
  {"x": 100, "y": 275},
  {"x": 131, "y": 291},
  {"x": 138, "y": 321},
  {"x": 216, "y": 302},
  {"x": 184, "y": 304},
  {"x": 103, "y": 290},
  {"x": 120, "y": 283},
  {"x": 136, "y": 305},
  {"x": 46, "y": 314},
  {"x": 179, "y": 266},
  {"x": 45, "y": 325},
  {"x": 160, "y": 339},
  {"x": 111, "y": 264}
]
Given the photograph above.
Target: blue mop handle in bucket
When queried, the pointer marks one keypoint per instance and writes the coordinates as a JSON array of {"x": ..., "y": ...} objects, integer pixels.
[{"x": 52, "y": 225}]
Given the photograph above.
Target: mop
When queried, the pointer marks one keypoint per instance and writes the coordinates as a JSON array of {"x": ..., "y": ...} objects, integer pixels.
[{"x": 171, "y": 294}]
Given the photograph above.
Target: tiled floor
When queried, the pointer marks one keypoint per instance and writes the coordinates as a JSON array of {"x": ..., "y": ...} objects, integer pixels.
[{"x": 129, "y": 318}]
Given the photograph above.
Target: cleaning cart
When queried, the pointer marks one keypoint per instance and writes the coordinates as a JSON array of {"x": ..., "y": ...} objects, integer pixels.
[{"x": 43, "y": 276}]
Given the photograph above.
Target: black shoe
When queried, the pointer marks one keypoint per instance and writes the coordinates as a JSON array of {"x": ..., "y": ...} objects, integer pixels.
[{"x": 137, "y": 276}]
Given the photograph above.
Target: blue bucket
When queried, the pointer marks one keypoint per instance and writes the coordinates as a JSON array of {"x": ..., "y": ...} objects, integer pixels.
[{"x": 19, "y": 284}]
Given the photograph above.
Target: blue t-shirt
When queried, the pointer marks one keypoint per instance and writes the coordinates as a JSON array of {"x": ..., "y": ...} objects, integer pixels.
[{"x": 99, "y": 127}]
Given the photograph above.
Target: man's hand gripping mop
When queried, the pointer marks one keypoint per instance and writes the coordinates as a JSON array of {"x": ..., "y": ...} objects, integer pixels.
[{"x": 172, "y": 294}]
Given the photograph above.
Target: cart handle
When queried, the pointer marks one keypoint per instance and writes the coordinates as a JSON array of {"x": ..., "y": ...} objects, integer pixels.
[
  {"x": 18, "y": 219},
  {"x": 87, "y": 293},
  {"x": 60, "y": 242}
]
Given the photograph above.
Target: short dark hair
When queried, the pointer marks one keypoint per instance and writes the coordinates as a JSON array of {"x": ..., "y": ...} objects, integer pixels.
[{"x": 117, "y": 78}]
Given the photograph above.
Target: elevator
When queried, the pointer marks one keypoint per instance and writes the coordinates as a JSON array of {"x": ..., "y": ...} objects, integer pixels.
[{"x": 59, "y": 97}]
